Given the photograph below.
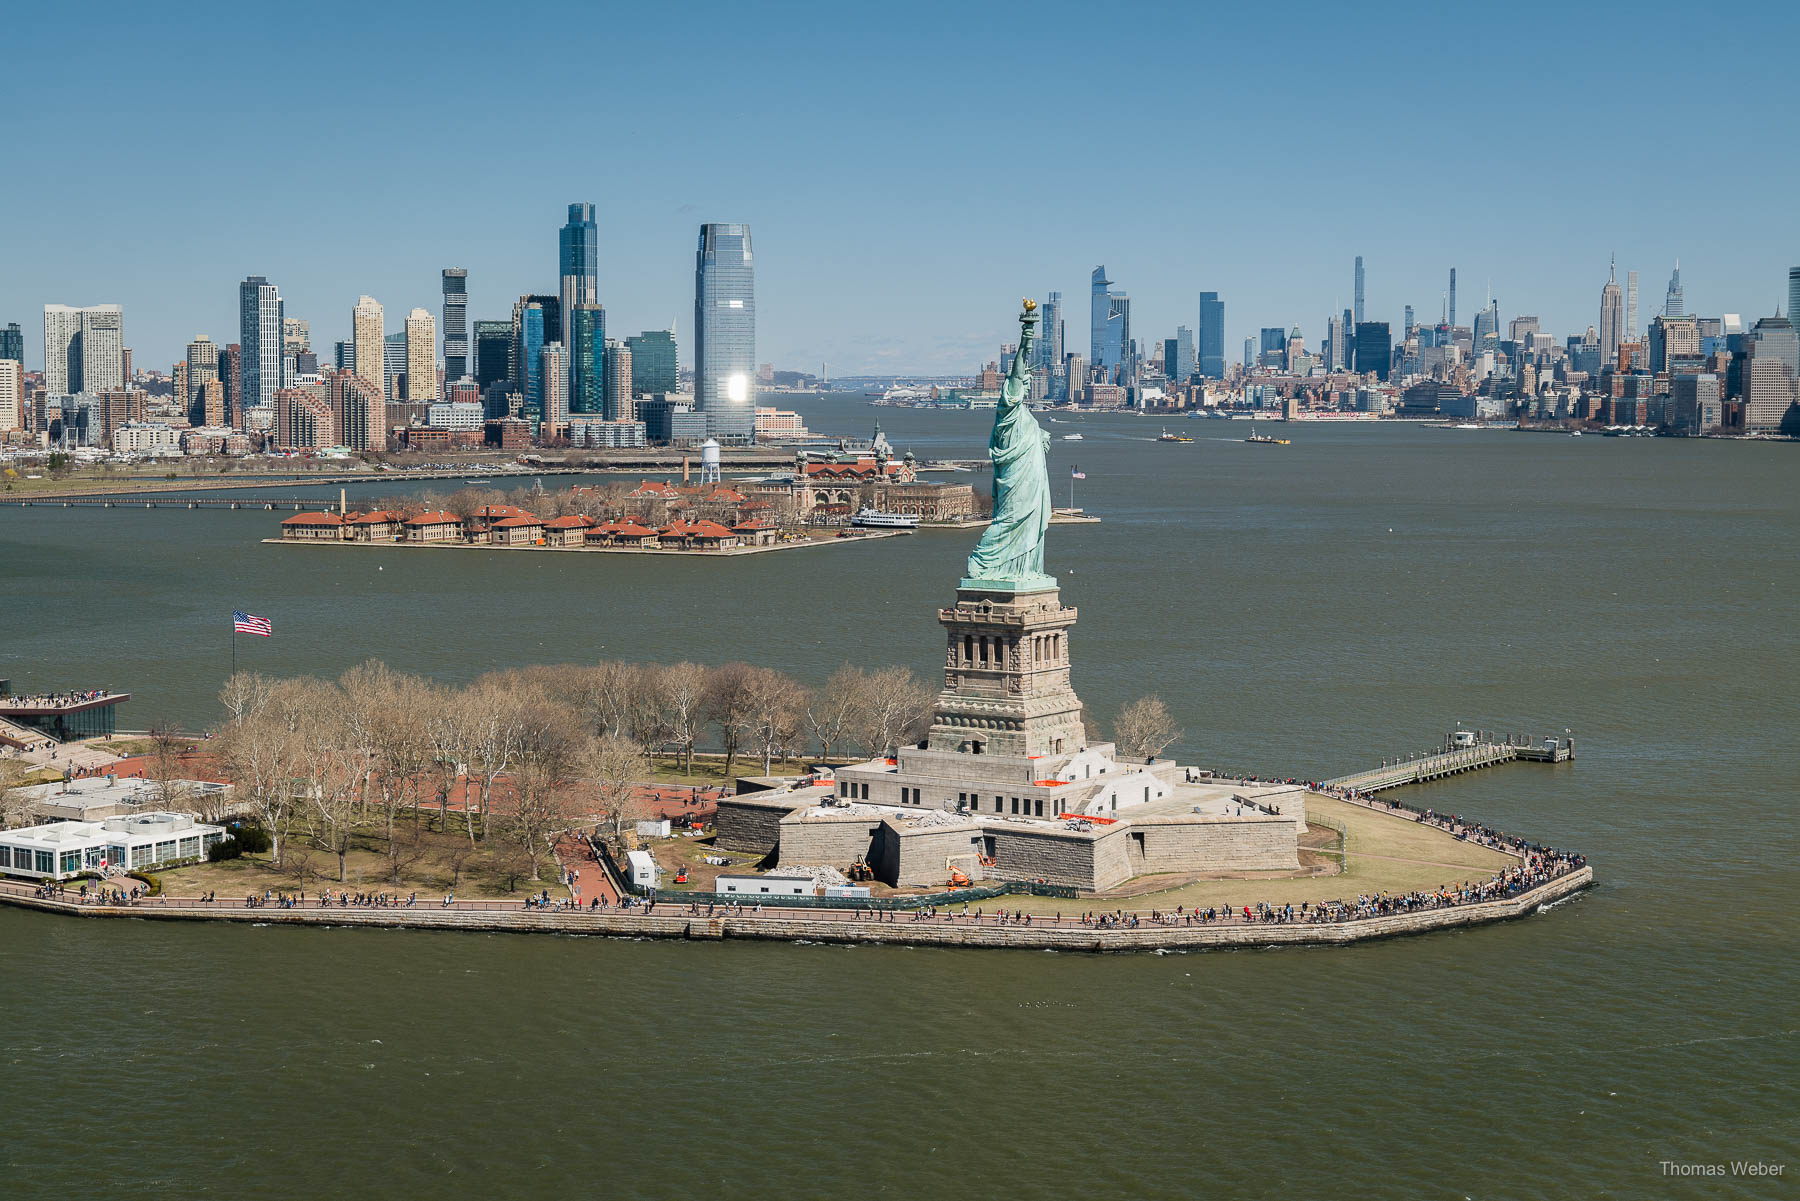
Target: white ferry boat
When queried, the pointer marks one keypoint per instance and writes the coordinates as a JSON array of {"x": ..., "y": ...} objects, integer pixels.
[{"x": 877, "y": 520}]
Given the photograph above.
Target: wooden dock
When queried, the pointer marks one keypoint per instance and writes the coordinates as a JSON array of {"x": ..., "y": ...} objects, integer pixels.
[{"x": 1455, "y": 760}]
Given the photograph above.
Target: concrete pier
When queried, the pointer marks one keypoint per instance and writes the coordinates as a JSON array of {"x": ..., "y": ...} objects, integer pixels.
[{"x": 1456, "y": 761}]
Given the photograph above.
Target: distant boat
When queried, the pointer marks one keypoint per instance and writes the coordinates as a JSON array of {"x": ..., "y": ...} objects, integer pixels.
[
  {"x": 875, "y": 519},
  {"x": 1574, "y": 433},
  {"x": 1264, "y": 439},
  {"x": 1071, "y": 437},
  {"x": 1166, "y": 436}
]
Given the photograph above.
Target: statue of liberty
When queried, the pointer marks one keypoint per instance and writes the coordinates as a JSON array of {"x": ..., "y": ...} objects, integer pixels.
[{"x": 1010, "y": 555}]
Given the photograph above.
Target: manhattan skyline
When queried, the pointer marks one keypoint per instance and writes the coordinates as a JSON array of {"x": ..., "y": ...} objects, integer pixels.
[{"x": 874, "y": 167}]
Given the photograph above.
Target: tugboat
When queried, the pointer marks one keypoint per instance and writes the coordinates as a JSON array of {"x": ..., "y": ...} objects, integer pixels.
[
  {"x": 1264, "y": 439},
  {"x": 1166, "y": 436}
]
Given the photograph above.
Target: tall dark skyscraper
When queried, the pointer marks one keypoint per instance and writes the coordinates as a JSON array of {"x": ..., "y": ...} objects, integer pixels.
[
  {"x": 725, "y": 333},
  {"x": 587, "y": 360},
  {"x": 12, "y": 343},
  {"x": 1450, "y": 319},
  {"x": 515, "y": 361},
  {"x": 1359, "y": 289},
  {"x": 531, "y": 347},
  {"x": 578, "y": 266},
  {"x": 1212, "y": 336},
  {"x": 1050, "y": 345},
  {"x": 1374, "y": 348},
  {"x": 259, "y": 334},
  {"x": 456, "y": 323},
  {"x": 655, "y": 367}
]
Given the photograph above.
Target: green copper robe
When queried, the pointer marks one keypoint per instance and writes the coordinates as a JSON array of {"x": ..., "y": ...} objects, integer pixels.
[{"x": 1010, "y": 555}]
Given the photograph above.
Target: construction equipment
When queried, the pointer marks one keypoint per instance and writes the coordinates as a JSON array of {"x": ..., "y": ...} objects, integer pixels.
[
  {"x": 860, "y": 872},
  {"x": 958, "y": 878}
]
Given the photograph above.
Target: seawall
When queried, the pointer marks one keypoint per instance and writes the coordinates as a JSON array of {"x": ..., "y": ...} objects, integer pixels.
[{"x": 829, "y": 926}]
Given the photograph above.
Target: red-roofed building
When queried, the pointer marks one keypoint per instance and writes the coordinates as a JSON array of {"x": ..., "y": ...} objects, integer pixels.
[
  {"x": 623, "y": 533},
  {"x": 377, "y": 526},
  {"x": 567, "y": 531},
  {"x": 515, "y": 531},
  {"x": 754, "y": 533},
  {"x": 436, "y": 526},
  {"x": 698, "y": 535},
  {"x": 654, "y": 490},
  {"x": 313, "y": 527}
]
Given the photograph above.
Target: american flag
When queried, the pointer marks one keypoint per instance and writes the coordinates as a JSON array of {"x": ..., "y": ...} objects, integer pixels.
[
  {"x": 1076, "y": 473},
  {"x": 243, "y": 623}
]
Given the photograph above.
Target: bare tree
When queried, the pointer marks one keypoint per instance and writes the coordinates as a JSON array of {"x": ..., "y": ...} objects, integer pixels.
[
  {"x": 831, "y": 711},
  {"x": 499, "y": 731},
  {"x": 260, "y": 751},
  {"x": 616, "y": 765},
  {"x": 683, "y": 693},
  {"x": 728, "y": 706},
  {"x": 774, "y": 714},
  {"x": 550, "y": 751},
  {"x": 331, "y": 768},
  {"x": 244, "y": 693},
  {"x": 167, "y": 745},
  {"x": 895, "y": 710},
  {"x": 1144, "y": 728},
  {"x": 14, "y": 808}
]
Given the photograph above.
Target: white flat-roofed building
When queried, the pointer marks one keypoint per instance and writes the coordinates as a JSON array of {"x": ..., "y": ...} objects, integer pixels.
[
  {"x": 60, "y": 850},
  {"x": 758, "y": 887},
  {"x": 456, "y": 415}
]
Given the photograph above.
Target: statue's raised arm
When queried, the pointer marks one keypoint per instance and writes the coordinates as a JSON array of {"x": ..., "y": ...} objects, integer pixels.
[{"x": 1010, "y": 555}]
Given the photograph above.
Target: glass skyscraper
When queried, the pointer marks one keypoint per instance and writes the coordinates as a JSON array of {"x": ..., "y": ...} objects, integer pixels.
[
  {"x": 259, "y": 335},
  {"x": 578, "y": 266},
  {"x": 12, "y": 343},
  {"x": 654, "y": 368},
  {"x": 456, "y": 323},
  {"x": 1212, "y": 336},
  {"x": 1109, "y": 327},
  {"x": 493, "y": 345},
  {"x": 587, "y": 360},
  {"x": 531, "y": 351},
  {"x": 725, "y": 333}
]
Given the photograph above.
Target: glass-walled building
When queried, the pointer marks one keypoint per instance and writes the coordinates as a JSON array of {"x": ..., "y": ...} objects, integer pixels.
[
  {"x": 654, "y": 369},
  {"x": 587, "y": 359},
  {"x": 725, "y": 333}
]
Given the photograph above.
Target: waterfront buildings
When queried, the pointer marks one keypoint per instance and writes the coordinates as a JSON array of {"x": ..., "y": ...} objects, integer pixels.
[
  {"x": 456, "y": 323},
  {"x": 84, "y": 349},
  {"x": 367, "y": 325},
  {"x": 1769, "y": 372},
  {"x": 529, "y": 323},
  {"x": 359, "y": 411},
  {"x": 259, "y": 334},
  {"x": 725, "y": 333},
  {"x": 12, "y": 394},
  {"x": 421, "y": 357},
  {"x": 654, "y": 367},
  {"x": 554, "y": 381},
  {"x": 621, "y": 364}
]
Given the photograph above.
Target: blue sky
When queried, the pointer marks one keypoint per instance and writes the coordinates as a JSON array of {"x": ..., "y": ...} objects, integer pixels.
[{"x": 908, "y": 170}]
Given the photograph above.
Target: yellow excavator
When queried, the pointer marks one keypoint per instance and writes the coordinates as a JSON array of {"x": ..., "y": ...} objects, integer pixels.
[{"x": 860, "y": 872}]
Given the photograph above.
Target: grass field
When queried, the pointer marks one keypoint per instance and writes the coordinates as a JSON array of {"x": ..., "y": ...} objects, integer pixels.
[{"x": 443, "y": 863}]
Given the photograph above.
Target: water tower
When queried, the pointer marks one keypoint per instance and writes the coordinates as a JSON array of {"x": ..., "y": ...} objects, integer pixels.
[{"x": 709, "y": 462}]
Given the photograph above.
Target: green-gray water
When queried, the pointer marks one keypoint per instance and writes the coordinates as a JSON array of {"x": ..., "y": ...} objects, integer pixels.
[{"x": 1306, "y": 609}]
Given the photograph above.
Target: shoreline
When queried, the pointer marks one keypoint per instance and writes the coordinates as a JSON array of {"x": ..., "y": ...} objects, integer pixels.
[
  {"x": 724, "y": 553},
  {"x": 799, "y": 926}
]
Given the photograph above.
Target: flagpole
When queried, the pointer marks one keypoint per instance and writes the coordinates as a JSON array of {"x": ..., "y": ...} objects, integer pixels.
[{"x": 234, "y": 644}]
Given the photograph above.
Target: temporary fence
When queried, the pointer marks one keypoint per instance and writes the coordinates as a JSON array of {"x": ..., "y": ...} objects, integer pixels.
[{"x": 910, "y": 901}]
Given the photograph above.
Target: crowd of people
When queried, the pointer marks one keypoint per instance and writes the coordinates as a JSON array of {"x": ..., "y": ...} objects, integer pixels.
[{"x": 49, "y": 700}]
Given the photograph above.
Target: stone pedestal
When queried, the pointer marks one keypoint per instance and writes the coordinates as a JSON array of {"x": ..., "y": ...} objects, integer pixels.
[{"x": 1006, "y": 676}]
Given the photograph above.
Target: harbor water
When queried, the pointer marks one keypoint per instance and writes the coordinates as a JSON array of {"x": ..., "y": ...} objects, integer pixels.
[{"x": 1307, "y": 609}]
